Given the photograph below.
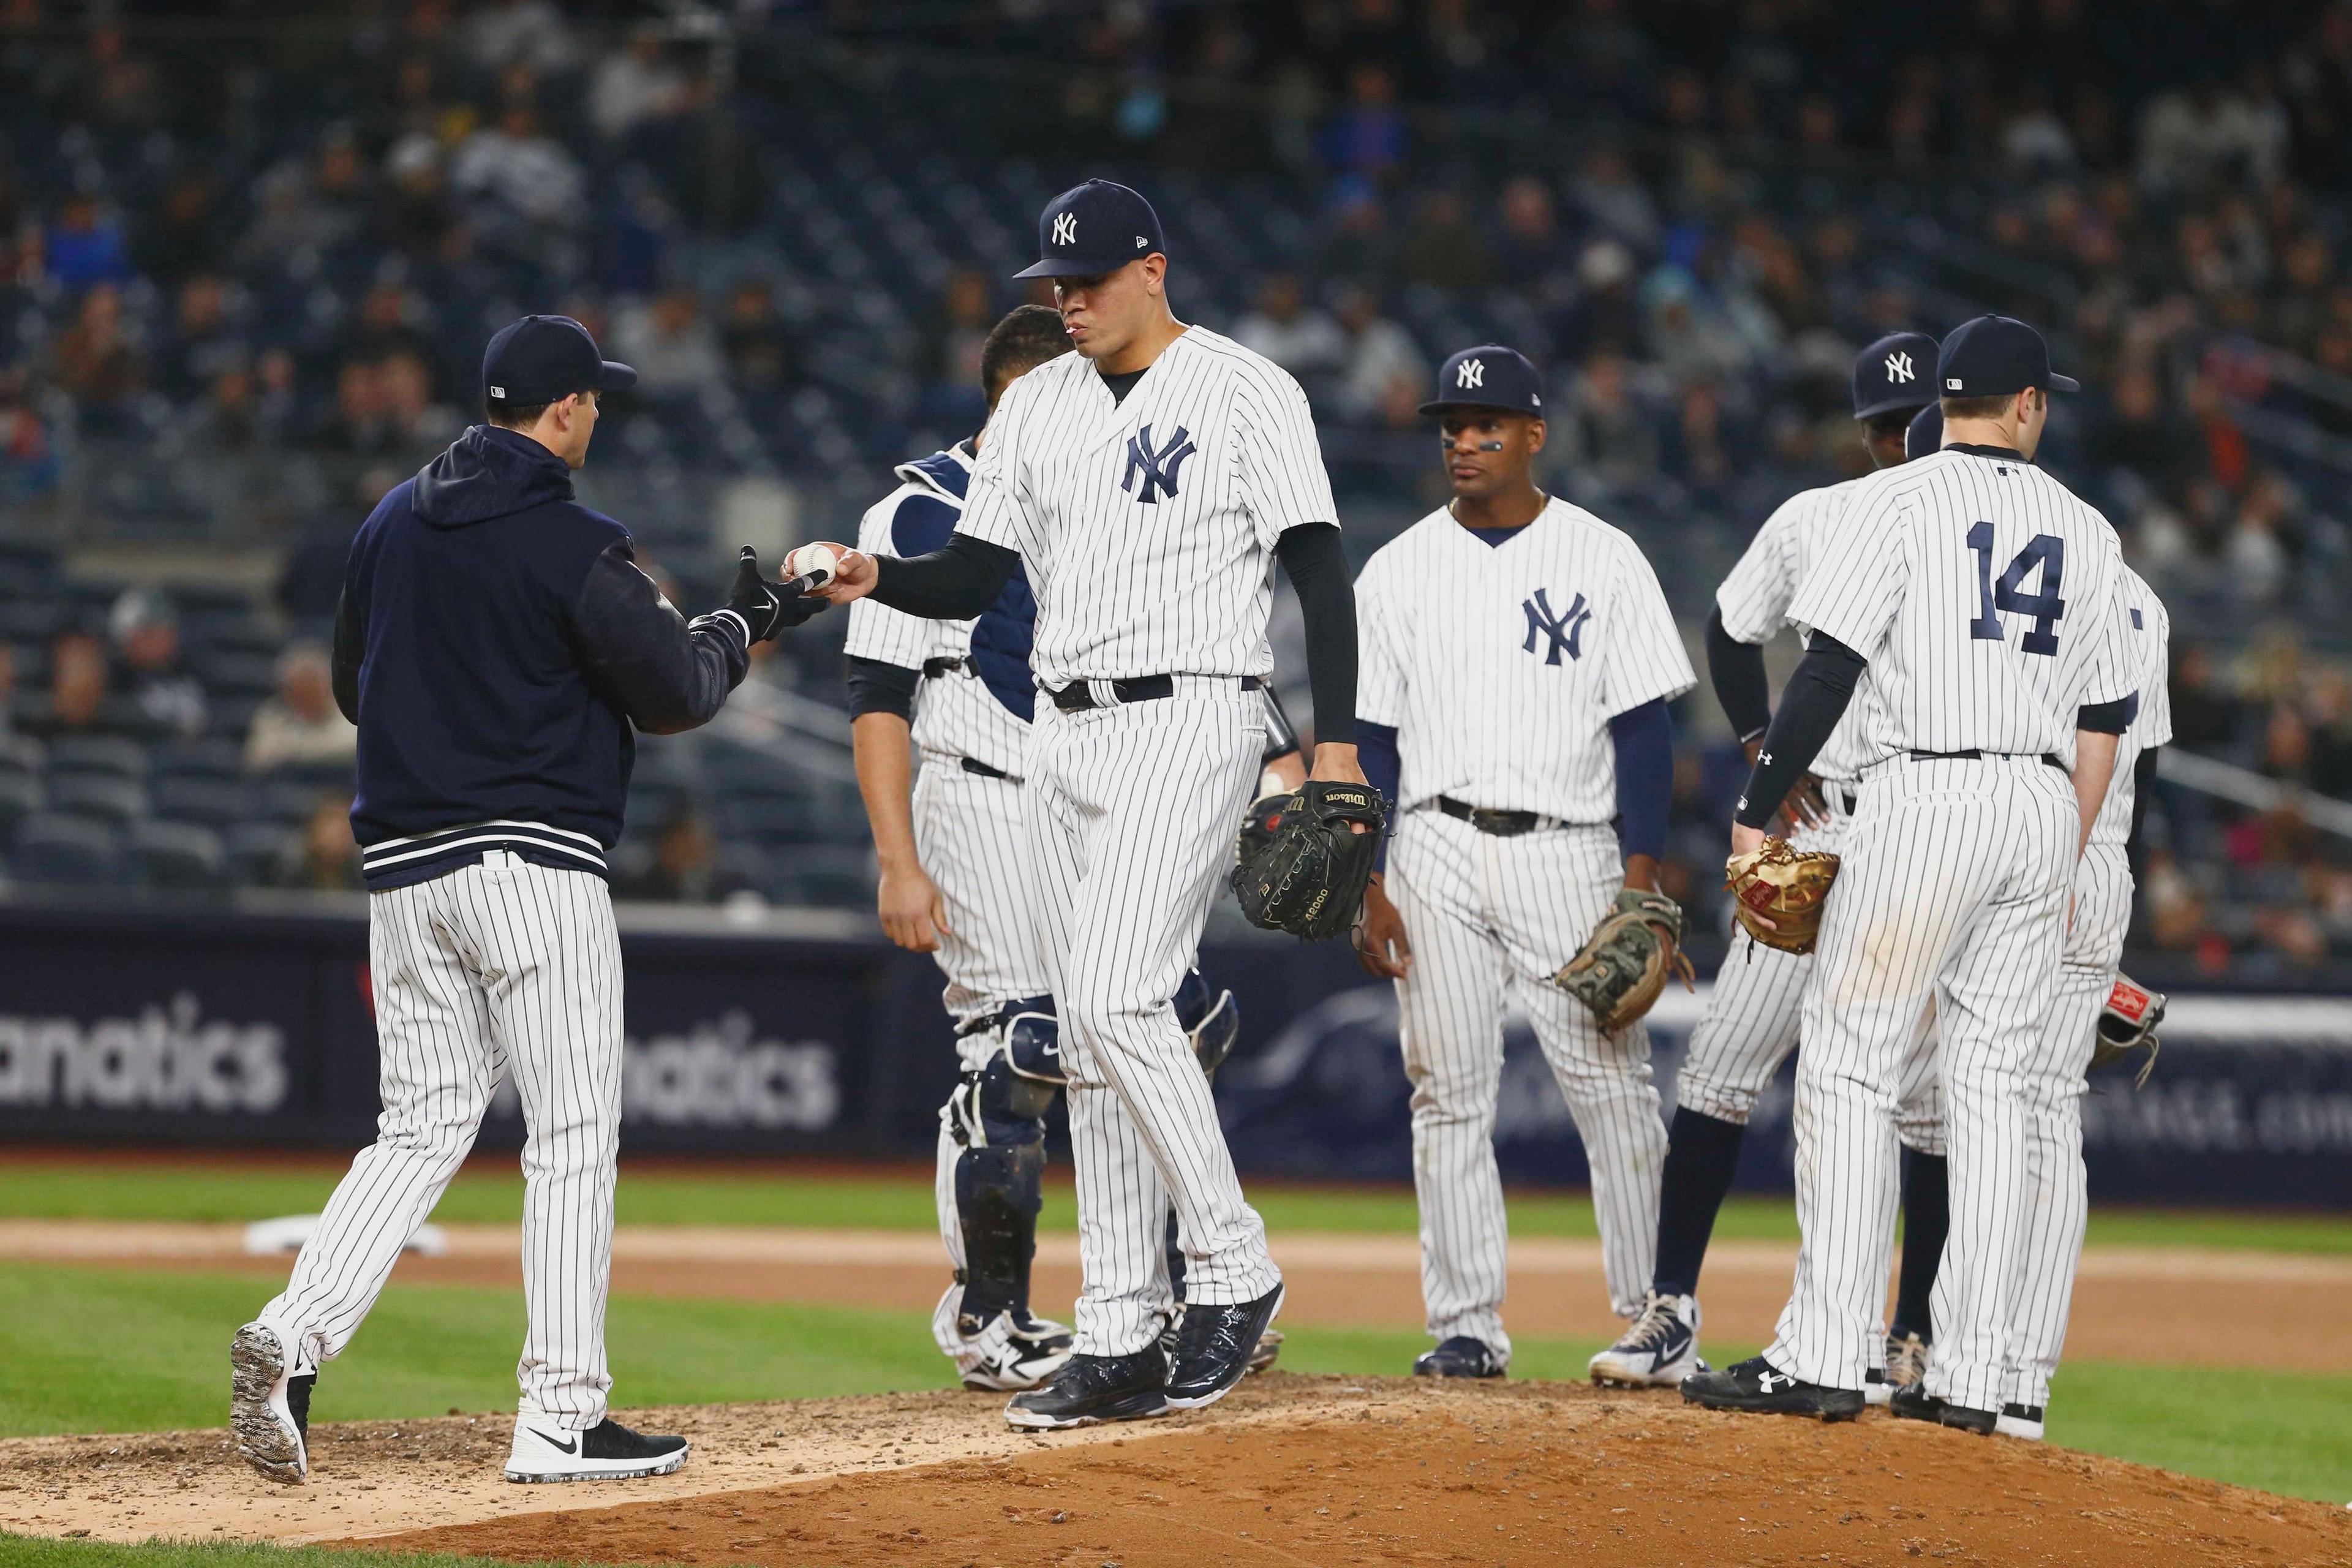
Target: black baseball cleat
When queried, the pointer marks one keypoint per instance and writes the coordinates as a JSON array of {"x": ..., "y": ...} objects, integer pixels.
[
  {"x": 270, "y": 1408},
  {"x": 1215, "y": 1347},
  {"x": 1460, "y": 1356},
  {"x": 1757, "y": 1384},
  {"x": 607, "y": 1451},
  {"x": 1090, "y": 1389},
  {"x": 1916, "y": 1403}
]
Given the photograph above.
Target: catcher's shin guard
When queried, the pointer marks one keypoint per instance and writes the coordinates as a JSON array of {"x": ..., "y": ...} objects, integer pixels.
[
  {"x": 998, "y": 1115},
  {"x": 1212, "y": 1020}
]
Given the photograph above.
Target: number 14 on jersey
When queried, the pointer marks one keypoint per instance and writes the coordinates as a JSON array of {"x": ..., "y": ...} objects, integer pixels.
[{"x": 2044, "y": 550}]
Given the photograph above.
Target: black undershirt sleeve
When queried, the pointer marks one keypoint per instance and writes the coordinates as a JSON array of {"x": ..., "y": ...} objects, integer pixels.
[
  {"x": 1317, "y": 564},
  {"x": 878, "y": 687},
  {"x": 2108, "y": 718},
  {"x": 2143, "y": 781},
  {"x": 1736, "y": 668},
  {"x": 952, "y": 582},
  {"x": 1810, "y": 709}
]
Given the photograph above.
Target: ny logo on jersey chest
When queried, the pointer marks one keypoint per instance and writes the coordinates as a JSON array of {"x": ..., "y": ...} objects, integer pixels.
[
  {"x": 1157, "y": 466},
  {"x": 1565, "y": 631}
]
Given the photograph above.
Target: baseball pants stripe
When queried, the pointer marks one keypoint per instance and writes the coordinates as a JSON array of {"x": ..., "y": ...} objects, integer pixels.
[
  {"x": 504, "y": 966},
  {"x": 1491, "y": 919},
  {"x": 1131, "y": 818},
  {"x": 1951, "y": 898}
]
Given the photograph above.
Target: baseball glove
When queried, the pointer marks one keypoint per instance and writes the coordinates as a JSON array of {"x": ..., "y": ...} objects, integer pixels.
[
  {"x": 1785, "y": 886},
  {"x": 1307, "y": 878},
  {"x": 2127, "y": 1024},
  {"x": 1259, "y": 822},
  {"x": 1623, "y": 964}
]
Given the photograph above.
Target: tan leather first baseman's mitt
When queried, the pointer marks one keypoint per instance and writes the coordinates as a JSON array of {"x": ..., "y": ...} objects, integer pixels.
[
  {"x": 1786, "y": 886},
  {"x": 1623, "y": 964},
  {"x": 2126, "y": 1025}
]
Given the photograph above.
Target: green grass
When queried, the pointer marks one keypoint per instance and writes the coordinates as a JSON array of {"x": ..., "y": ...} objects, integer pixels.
[
  {"x": 429, "y": 1349},
  {"x": 489, "y": 1192},
  {"x": 40, "y": 1552}
]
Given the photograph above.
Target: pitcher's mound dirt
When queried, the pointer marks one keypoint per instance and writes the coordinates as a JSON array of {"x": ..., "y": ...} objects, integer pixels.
[{"x": 1512, "y": 1474}]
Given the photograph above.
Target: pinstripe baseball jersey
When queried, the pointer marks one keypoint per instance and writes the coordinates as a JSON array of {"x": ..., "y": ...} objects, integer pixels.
[
  {"x": 1148, "y": 524},
  {"x": 2151, "y": 633},
  {"x": 1755, "y": 601},
  {"x": 1500, "y": 665},
  {"x": 980, "y": 709},
  {"x": 1986, "y": 598}
]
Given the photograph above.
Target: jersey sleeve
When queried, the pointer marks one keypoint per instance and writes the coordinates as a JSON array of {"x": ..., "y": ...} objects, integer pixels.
[
  {"x": 995, "y": 505},
  {"x": 1379, "y": 658},
  {"x": 1284, "y": 483},
  {"x": 1754, "y": 599},
  {"x": 877, "y": 631},
  {"x": 2154, "y": 726},
  {"x": 2116, "y": 662},
  {"x": 1642, "y": 653},
  {"x": 1854, "y": 589}
]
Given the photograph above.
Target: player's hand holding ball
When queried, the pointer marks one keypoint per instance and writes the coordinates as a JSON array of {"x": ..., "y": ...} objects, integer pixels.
[{"x": 842, "y": 574}]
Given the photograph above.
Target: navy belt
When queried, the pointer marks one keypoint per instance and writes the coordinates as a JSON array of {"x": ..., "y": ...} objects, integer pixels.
[
  {"x": 974, "y": 766},
  {"x": 1973, "y": 754},
  {"x": 935, "y": 667},
  {"x": 1078, "y": 697}
]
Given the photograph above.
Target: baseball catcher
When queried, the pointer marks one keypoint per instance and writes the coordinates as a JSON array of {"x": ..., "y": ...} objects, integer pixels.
[
  {"x": 1778, "y": 893},
  {"x": 1623, "y": 964},
  {"x": 1302, "y": 864}
]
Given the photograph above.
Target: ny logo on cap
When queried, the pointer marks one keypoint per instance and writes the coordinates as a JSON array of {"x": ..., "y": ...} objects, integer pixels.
[
  {"x": 1159, "y": 466},
  {"x": 1566, "y": 631},
  {"x": 1065, "y": 228},
  {"x": 1470, "y": 372},
  {"x": 1898, "y": 366}
]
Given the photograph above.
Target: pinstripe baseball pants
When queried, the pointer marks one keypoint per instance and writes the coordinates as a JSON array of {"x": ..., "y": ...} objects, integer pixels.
[
  {"x": 971, "y": 837},
  {"x": 1953, "y": 896},
  {"x": 1491, "y": 918},
  {"x": 1131, "y": 812},
  {"x": 1752, "y": 1018},
  {"x": 504, "y": 966},
  {"x": 2057, "y": 1199}
]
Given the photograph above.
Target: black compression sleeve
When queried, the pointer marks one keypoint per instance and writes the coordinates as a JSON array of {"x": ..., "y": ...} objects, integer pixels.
[
  {"x": 1737, "y": 670},
  {"x": 1317, "y": 565},
  {"x": 1810, "y": 709},
  {"x": 2143, "y": 781},
  {"x": 877, "y": 687},
  {"x": 956, "y": 581}
]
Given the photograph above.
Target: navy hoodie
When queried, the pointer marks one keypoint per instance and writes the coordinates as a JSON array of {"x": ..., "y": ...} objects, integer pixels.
[{"x": 495, "y": 643}]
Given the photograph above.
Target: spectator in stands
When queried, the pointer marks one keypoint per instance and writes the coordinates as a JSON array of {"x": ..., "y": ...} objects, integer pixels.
[
  {"x": 28, "y": 461},
  {"x": 363, "y": 421},
  {"x": 1356, "y": 241},
  {"x": 1368, "y": 137},
  {"x": 415, "y": 421},
  {"x": 1530, "y": 251},
  {"x": 635, "y": 84},
  {"x": 672, "y": 344},
  {"x": 184, "y": 234},
  {"x": 532, "y": 34},
  {"x": 201, "y": 343},
  {"x": 1442, "y": 248},
  {"x": 966, "y": 309},
  {"x": 301, "y": 725},
  {"x": 95, "y": 360},
  {"x": 760, "y": 349},
  {"x": 85, "y": 245},
  {"x": 1287, "y": 331},
  {"x": 1605, "y": 429},
  {"x": 684, "y": 867},
  {"x": 77, "y": 701},
  {"x": 1614, "y": 200},
  {"x": 1381, "y": 358},
  {"x": 414, "y": 218},
  {"x": 2205, "y": 716},
  {"x": 323, "y": 856},
  {"x": 522, "y": 177},
  {"x": 146, "y": 635}
]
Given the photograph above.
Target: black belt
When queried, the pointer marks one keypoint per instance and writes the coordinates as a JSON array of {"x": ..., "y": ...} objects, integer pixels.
[
  {"x": 1501, "y": 824},
  {"x": 935, "y": 667},
  {"x": 972, "y": 765},
  {"x": 1973, "y": 754},
  {"x": 1078, "y": 697}
]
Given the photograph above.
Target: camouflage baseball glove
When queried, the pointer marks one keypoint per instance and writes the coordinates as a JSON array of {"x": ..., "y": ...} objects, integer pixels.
[
  {"x": 1623, "y": 964},
  {"x": 1784, "y": 885},
  {"x": 1307, "y": 878},
  {"x": 2127, "y": 1024}
]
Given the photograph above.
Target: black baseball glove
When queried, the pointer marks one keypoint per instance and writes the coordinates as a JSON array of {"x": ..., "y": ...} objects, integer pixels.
[{"x": 1309, "y": 878}]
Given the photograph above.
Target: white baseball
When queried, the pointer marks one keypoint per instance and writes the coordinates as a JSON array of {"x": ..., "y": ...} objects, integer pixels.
[{"x": 818, "y": 561}]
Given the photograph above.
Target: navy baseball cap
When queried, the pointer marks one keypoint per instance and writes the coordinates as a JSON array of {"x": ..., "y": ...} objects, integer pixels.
[
  {"x": 1488, "y": 376},
  {"x": 544, "y": 359},
  {"x": 1092, "y": 229},
  {"x": 1996, "y": 354},
  {"x": 1894, "y": 373},
  {"x": 1925, "y": 433}
]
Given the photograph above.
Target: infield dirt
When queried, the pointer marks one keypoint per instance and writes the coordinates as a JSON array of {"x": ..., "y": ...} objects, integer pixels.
[{"x": 1288, "y": 1470}]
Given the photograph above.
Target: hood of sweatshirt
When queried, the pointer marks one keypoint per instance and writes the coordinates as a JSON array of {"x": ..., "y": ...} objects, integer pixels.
[{"x": 488, "y": 473}]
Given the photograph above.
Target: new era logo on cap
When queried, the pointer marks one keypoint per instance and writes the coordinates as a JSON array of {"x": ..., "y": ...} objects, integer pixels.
[
  {"x": 1952, "y": 384},
  {"x": 500, "y": 393}
]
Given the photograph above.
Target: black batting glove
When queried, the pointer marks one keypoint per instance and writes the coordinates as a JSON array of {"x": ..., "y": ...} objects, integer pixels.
[{"x": 763, "y": 606}]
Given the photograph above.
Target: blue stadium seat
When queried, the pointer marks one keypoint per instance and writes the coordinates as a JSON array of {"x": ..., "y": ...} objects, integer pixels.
[
  {"x": 180, "y": 856},
  {"x": 101, "y": 797},
  {"x": 20, "y": 797},
  {"x": 113, "y": 755},
  {"x": 211, "y": 756},
  {"x": 256, "y": 850},
  {"x": 67, "y": 849},
  {"x": 203, "y": 799}
]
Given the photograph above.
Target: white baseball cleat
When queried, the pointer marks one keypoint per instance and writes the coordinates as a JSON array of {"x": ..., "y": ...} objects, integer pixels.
[
  {"x": 607, "y": 1451},
  {"x": 1010, "y": 1355},
  {"x": 2023, "y": 1421},
  {"x": 269, "y": 1408},
  {"x": 1658, "y": 1351}
]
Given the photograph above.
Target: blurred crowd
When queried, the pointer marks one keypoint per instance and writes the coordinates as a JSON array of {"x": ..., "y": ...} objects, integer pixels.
[{"x": 286, "y": 249}]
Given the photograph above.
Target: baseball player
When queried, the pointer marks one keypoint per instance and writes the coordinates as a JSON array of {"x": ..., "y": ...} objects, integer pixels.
[
  {"x": 1146, "y": 483},
  {"x": 1981, "y": 609},
  {"x": 1751, "y": 1019},
  {"x": 955, "y": 882},
  {"x": 498, "y": 646},
  {"x": 1518, "y": 659},
  {"x": 2057, "y": 1203}
]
